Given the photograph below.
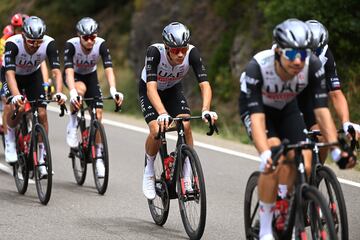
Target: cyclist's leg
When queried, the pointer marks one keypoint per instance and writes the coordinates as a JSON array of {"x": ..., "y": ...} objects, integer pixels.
[{"x": 151, "y": 144}]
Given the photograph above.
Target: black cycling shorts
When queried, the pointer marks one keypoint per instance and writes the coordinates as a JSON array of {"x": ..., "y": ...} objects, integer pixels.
[
  {"x": 285, "y": 123},
  {"x": 306, "y": 106},
  {"x": 173, "y": 99},
  {"x": 92, "y": 87},
  {"x": 29, "y": 85}
]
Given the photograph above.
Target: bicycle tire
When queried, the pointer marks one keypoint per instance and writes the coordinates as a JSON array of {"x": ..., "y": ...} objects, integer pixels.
[
  {"x": 321, "y": 222},
  {"x": 101, "y": 183},
  {"x": 159, "y": 207},
  {"x": 21, "y": 173},
  {"x": 338, "y": 207},
  {"x": 77, "y": 155},
  {"x": 194, "y": 228},
  {"x": 43, "y": 184},
  {"x": 252, "y": 225}
]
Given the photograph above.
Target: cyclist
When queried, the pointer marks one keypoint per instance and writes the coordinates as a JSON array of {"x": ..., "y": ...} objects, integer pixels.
[
  {"x": 21, "y": 67},
  {"x": 80, "y": 58},
  {"x": 14, "y": 28},
  {"x": 269, "y": 110},
  {"x": 321, "y": 49},
  {"x": 161, "y": 93}
]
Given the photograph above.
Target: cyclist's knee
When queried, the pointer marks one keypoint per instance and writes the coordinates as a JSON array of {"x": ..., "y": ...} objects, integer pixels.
[
  {"x": 153, "y": 128},
  {"x": 42, "y": 114},
  {"x": 99, "y": 113}
]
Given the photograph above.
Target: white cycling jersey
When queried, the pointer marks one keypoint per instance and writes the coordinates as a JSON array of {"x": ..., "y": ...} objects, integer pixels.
[
  {"x": 168, "y": 75},
  {"x": 85, "y": 63}
]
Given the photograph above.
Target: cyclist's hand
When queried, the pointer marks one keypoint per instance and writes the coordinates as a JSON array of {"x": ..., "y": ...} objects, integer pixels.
[
  {"x": 60, "y": 98},
  {"x": 117, "y": 96},
  {"x": 18, "y": 100},
  {"x": 163, "y": 120},
  {"x": 265, "y": 162},
  {"x": 213, "y": 116},
  {"x": 75, "y": 99},
  {"x": 343, "y": 159},
  {"x": 355, "y": 126}
]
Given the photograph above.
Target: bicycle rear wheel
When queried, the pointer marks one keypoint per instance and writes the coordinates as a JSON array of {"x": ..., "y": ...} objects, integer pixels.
[
  {"x": 78, "y": 158},
  {"x": 43, "y": 183},
  {"x": 99, "y": 136},
  {"x": 192, "y": 203},
  {"x": 251, "y": 207},
  {"x": 330, "y": 187},
  {"x": 319, "y": 216},
  {"x": 159, "y": 207},
  {"x": 21, "y": 173}
]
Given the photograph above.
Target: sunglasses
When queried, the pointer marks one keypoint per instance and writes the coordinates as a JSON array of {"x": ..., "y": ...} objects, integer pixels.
[
  {"x": 176, "y": 51},
  {"x": 33, "y": 42},
  {"x": 87, "y": 37},
  {"x": 291, "y": 54}
]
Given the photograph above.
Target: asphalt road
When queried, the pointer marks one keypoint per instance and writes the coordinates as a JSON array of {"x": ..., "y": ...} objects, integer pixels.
[{"x": 76, "y": 212}]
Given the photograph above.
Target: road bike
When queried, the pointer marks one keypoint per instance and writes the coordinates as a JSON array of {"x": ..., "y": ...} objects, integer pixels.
[
  {"x": 324, "y": 178},
  {"x": 170, "y": 181},
  {"x": 90, "y": 136},
  {"x": 306, "y": 205},
  {"x": 31, "y": 141}
]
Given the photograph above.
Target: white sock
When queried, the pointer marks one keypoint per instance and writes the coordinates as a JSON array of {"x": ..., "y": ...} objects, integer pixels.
[
  {"x": 187, "y": 168},
  {"x": 10, "y": 136},
  {"x": 99, "y": 148},
  {"x": 266, "y": 216},
  {"x": 41, "y": 152},
  {"x": 73, "y": 120},
  {"x": 282, "y": 191},
  {"x": 149, "y": 168}
]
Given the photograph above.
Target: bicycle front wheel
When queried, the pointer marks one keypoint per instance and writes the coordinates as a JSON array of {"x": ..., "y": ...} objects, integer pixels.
[
  {"x": 78, "y": 157},
  {"x": 21, "y": 173},
  {"x": 251, "y": 207},
  {"x": 42, "y": 161},
  {"x": 159, "y": 207},
  {"x": 330, "y": 187},
  {"x": 191, "y": 193},
  {"x": 100, "y": 157},
  {"x": 318, "y": 216}
]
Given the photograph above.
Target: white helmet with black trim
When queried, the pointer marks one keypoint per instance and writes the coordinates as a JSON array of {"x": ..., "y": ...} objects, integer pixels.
[
  {"x": 319, "y": 32},
  {"x": 34, "y": 27},
  {"x": 293, "y": 33},
  {"x": 87, "y": 26},
  {"x": 176, "y": 35}
]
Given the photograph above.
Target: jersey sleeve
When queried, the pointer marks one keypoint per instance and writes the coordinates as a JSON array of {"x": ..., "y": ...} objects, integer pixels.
[
  {"x": 152, "y": 62},
  {"x": 11, "y": 50},
  {"x": 196, "y": 62},
  {"x": 254, "y": 81},
  {"x": 69, "y": 53},
  {"x": 53, "y": 55},
  {"x": 105, "y": 55},
  {"x": 317, "y": 83},
  {"x": 332, "y": 78}
]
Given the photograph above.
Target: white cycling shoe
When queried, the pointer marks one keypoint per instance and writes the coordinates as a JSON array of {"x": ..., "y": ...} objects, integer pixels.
[
  {"x": 149, "y": 186},
  {"x": 100, "y": 168},
  {"x": 10, "y": 152},
  {"x": 188, "y": 184},
  {"x": 71, "y": 137}
]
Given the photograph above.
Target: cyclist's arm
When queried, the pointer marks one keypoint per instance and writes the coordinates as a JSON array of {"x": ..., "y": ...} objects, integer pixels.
[
  {"x": 54, "y": 61},
  {"x": 152, "y": 62},
  {"x": 200, "y": 72},
  {"x": 340, "y": 105},
  {"x": 333, "y": 83},
  {"x": 44, "y": 72},
  {"x": 320, "y": 99},
  {"x": 109, "y": 71},
  {"x": 69, "y": 52},
  {"x": 254, "y": 104},
  {"x": 11, "y": 50}
]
